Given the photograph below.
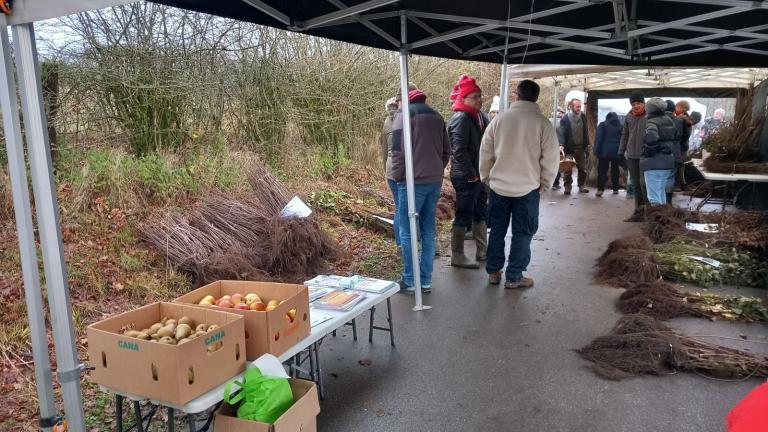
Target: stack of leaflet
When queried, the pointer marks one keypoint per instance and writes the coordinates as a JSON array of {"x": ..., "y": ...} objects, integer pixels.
[
  {"x": 357, "y": 283},
  {"x": 339, "y": 300},
  {"x": 315, "y": 292}
]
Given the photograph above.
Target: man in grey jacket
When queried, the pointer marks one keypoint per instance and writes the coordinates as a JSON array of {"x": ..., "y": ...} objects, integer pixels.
[
  {"x": 631, "y": 148},
  {"x": 573, "y": 135}
]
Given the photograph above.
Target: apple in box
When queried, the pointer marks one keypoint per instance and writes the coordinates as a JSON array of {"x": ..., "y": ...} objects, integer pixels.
[{"x": 276, "y": 315}]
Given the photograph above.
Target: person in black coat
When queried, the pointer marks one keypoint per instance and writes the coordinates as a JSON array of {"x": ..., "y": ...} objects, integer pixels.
[
  {"x": 607, "y": 140},
  {"x": 465, "y": 130}
]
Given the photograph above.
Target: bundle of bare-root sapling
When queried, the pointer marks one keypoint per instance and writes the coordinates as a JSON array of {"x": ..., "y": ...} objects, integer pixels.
[
  {"x": 735, "y": 146},
  {"x": 663, "y": 301},
  {"x": 640, "y": 345}
]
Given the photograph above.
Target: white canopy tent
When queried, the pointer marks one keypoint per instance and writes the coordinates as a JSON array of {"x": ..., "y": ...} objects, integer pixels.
[
  {"x": 566, "y": 31},
  {"x": 594, "y": 77}
]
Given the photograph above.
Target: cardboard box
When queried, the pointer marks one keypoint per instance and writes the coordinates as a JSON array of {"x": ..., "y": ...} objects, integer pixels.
[
  {"x": 301, "y": 417},
  {"x": 265, "y": 332},
  {"x": 175, "y": 374}
]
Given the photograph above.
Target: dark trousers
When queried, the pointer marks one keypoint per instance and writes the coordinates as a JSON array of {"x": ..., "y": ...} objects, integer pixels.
[
  {"x": 524, "y": 214},
  {"x": 638, "y": 183},
  {"x": 471, "y": 202},
  {"x": 602, "y": 172},
  {"x": 557, "y": 179},
  {"x": 580, "y": 156}
]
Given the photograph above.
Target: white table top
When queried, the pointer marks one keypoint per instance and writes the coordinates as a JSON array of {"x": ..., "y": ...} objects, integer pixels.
[
  {"x": 216, "y": 395},
  {"x": 757, "y": 178}
]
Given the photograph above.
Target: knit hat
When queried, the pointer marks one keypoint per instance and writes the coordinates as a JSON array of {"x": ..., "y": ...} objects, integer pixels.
[
  {"x": 455, "y": 91},
  {"x": 670, "y": 106},
  {"x": 637, "y": 97},
  {"x": 655, "y": 105},
  {"x": 467, "y": 86},
  {"x": 495, "y": 104},
  {"x": 416, "y": 96}
]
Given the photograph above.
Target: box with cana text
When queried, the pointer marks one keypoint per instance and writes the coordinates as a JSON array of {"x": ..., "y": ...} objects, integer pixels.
[
  {"x": 174, "y": 374},
  {"x": 266, "y": 332},
  {"x": 300, "y": 417}
]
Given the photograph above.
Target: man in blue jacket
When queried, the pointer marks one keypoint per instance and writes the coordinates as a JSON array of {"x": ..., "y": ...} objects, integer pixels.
[{"x": 607, "y": 139}]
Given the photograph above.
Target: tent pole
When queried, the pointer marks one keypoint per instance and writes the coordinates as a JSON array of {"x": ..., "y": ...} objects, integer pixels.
[
  {"x": 409, "y": 180},
  {"x": 24, "y": 227},
  {"x": 554, "y": 104},
  {"x": 504, "y": 88},
  {"x": 30, "y": 90}
]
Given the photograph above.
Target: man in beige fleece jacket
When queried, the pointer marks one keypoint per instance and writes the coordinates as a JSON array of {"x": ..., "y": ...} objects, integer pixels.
[{"x": 519, "y": 157}]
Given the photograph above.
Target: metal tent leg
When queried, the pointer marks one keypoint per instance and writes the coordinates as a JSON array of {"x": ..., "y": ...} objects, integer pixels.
[
  {"x": 504, "y": 88},
  {"x": 30, "y": 90},
  {"x": 409, "y": 179},
  {"x": 17, "y": 169}
]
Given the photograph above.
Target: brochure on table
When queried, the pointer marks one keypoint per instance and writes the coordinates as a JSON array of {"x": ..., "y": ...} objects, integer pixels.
[{"x": 356, "y": 283}]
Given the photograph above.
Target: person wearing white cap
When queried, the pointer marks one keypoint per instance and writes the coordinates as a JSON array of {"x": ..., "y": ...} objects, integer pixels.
[{"x": 494, "y": 110}]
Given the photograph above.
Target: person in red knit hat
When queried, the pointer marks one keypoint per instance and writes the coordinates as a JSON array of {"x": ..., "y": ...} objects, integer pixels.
[{"x": 465, "y": 130}]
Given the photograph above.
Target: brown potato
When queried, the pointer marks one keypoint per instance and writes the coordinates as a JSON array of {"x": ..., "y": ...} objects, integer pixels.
[
  {"x": 167, "y": 340},
  {"x": 167, "y": 331},
  {"x": 183, "y": 331},
  {"x": 187, "y": 320}
]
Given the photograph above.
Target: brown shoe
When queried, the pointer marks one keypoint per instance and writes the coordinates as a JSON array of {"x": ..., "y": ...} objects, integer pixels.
[
  {"x": 583, "y": 190},
  {"x": 494, "y": 278},
  {"x": 567, "y": 190},
  {"x": 599, "y": 193},
  {"x": 521, "y": 283}
]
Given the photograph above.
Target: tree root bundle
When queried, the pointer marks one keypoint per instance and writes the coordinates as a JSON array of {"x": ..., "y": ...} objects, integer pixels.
[
  {"x": 226, "y": 237},
  {"x": 625, "y": 268},
  {"x": 735, "y": 146},
  {"x": 741, "y": 229},
  {"x": 631, "y": 242},
  {"x": 639, "y": 345},
  {"x": 663, "y": 301}
]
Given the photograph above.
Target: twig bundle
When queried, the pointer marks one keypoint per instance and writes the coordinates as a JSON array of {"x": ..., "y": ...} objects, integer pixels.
[
  {"x": 734, "y": 147},
  {"x": 663, "y": 301},
  {"x": 628, "y": 267},
  {"x": 741, "y": 229},
  {"x": 225, "y": 237},
  {"x": 630, "y": 242},
  {"x": 639, "y": 344}
]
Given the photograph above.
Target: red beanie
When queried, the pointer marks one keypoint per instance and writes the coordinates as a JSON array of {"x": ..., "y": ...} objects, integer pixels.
[
  {"x": 455, "y": 91},
  {"x": 467, "y": 86},
  {"x": 416, "y": 96}
]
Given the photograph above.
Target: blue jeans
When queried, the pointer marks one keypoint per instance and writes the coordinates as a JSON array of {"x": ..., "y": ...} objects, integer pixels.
[
  {"x": 396, "y": 218},
  {"x": 656, "y": 185},
  {"x": 524, "y": 213},
  {"x": 426, "y": 204}
]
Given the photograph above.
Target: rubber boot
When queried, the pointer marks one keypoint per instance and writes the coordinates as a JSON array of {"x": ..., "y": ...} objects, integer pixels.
[
  {"x": 480, "y": 233},
  {"x": 458, "y": 259}
]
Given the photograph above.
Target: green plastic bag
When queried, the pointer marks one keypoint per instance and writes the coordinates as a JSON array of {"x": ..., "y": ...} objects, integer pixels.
[{"x": 264, "y": 399}]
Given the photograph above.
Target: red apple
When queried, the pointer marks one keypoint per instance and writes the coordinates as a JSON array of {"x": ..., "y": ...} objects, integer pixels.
[
  {"x": 225, "y": 303},
  {"x": 236, "y": 298},
  {"x": 242, "y": 306}
]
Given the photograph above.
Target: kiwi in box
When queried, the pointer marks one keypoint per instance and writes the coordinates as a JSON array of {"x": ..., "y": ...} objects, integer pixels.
[{"x": 167, "y": 352}]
